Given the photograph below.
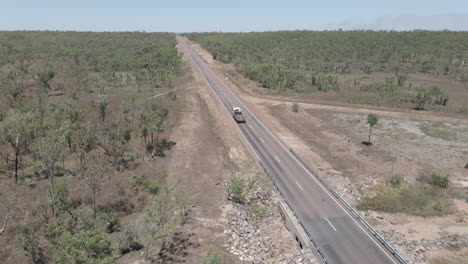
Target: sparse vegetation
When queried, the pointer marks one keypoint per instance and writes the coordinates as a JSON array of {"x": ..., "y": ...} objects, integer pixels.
[
  {"x": 60, "y": 134},
  {"x": 346, "y": 63},
  {"x": 211, "y": 257},
  {"x": 443, "y": 131},
  {"x": 416, "y": 200}
]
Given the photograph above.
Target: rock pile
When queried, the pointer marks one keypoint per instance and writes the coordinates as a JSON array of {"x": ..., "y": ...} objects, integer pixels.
[
  {"x": 413, "y": 250},
  {"x": 266, "y": 241}
]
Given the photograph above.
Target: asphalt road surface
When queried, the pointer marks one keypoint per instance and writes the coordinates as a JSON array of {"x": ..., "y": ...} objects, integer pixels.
[{"x": 341, "y": 237}]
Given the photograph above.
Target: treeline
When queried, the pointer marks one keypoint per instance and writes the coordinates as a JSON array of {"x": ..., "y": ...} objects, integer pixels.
[
  {"x": 341, "y": 52},
  {"x": 64, "y": 127},
  {"x": 72, "y": 61}
]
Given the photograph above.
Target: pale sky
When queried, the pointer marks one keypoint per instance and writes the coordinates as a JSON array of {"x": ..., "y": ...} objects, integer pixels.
[{"x": 233, "y": 15}]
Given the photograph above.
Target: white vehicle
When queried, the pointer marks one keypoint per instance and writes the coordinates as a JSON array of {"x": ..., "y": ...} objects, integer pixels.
[{"x": 237, "y": 114}]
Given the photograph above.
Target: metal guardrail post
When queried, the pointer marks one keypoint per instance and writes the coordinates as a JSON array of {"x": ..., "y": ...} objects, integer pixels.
[{"x": 351, "y": 209}]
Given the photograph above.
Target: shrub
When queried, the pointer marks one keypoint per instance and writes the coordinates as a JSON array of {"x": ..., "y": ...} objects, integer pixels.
[
  {"x": 141, "y": 182},
  {"x": 439, "y": 181},
  {"x": 85, "y": 247},
  {"x": 295, "y": 107},
  {"x": 153, "y": 187},
  {"x": 238, "y": 189},
  {"x": 138, "y": 181},
  {"x": 211, "y": 257},
  {"x": 397, "y": 180},
  {"x": 172, "y": 95},
  {"x": 460, "y": 218},
  {"x": 422, "y": 98},
  {"x": 130, "y": 242},
  {"x": 111, "y": 221},
  {"x": 256, "y": 210}
]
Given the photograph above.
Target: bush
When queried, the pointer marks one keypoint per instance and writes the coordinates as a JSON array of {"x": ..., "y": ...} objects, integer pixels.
[
  {"x": 434, "y": 179},
  {"x": 84, "y": 247},
  {"x": 172, "y": 95},
  {"x": 137, "y": 182},
  {"x": 130, "y": 242},
  {"x": 256, "y": 210},
  {"x": 153, "y": 187},
  {"x": 141, "y": 182},
  {"x": 111, "y": 221},
  {"x": 397, "y": 180},
  {"x": 295, "y": 108},
  {"x": 460, "y": 218},
  {"x": 211, "y": 257},
  {"x": 238, "y": 189},
  {"x": 439, "y": 181}
]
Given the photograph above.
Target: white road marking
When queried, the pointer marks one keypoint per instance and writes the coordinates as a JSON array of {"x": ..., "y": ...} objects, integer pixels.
[
  {"x": 299, "y": 186},
  {"x": 277, "y": 159},
  {"x": 262, "y": 140},
  {"x": 251, "y": 127},
  {"x": 330, "y": 224}
]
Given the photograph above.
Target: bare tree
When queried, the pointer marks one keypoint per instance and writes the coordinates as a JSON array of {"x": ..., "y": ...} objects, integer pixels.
[{"x": 94, "y": 173}]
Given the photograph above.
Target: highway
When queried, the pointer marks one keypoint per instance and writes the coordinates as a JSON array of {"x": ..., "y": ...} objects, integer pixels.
[{"x": 341, "y": 237}]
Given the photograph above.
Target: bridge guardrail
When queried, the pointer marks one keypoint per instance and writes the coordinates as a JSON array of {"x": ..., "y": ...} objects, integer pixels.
[
  {"x": 314, "y": 242},
  {"x": 350, "y": 208}
]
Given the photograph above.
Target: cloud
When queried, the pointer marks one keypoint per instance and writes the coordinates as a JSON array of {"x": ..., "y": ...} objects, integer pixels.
[{"x": 455, "y": 22}]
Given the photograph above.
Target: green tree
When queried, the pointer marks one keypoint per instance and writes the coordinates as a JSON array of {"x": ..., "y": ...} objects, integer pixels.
[
  {"x": 160, "y": 217},
  {"x": 402, "y": 79},
  {"x": 157, "y": 115},
  {"x": 68, "y": 117},
  {"x": 18, "y": 131},
  {"x": 89, "y": 247},
  {"x": 85, "y": 141},
  {"x": 29, "y": 242},
  {"x": 60, "y": 203},
  {"x": 48, "y": 151},
  {"x": 102, "y": 106},
  {"x": 423, "y": 98},
  {"x": 45, "y": 77},
  {"x": 372, "y": 120}
]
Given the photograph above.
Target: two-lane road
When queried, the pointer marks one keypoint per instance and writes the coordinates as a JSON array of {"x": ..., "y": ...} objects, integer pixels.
[{"x": 340, "y": 236}]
